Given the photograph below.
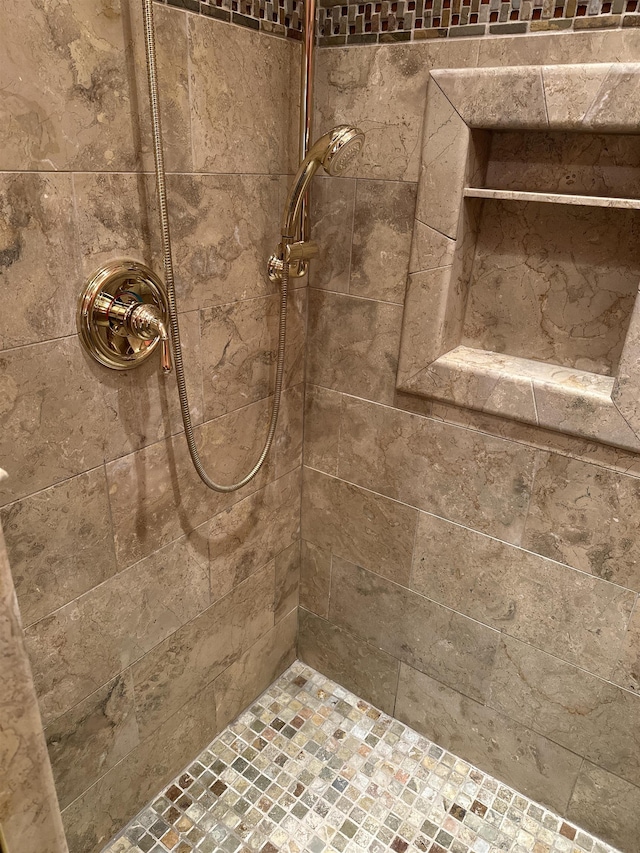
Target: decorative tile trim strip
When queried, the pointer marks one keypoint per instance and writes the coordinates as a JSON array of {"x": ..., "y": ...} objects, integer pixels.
[
  {"x": 383, "y": 21},
  {"x": 283, "y": 18}
]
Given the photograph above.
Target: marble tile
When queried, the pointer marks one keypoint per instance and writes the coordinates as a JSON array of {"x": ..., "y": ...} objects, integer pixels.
[
  {"x": 382, "y": 226},
  {"x": 287, "y": 571},
  {"x": 582, "y": 515},
  {"x": 315, "y": 578},
  {"x": 223, "y": 228},
  {"x": 576, "y": 617},
  {"x": 437, "y": 641},
  {"x": 353, "y": 344},
  {"x": 356, "y": 665},
  {"x": 60, "y": 543},
  {"x": 66, "y": 100},
  {"x": 176, "y": 669},
  {"x": 569, "y": 299},
  {"x": 580, "y": 404},
  {"x": 102, "y": 810},
  {"x": 481, "y": 379},
  {"x": 568, "y": 102},
  {"x": 240, "y": 343},
  {"x": 34, "y": 381},
  {"x": 429, "y": 248},
  {"x": 37, "y": 216},
  {"x": 156, "y": 496},
  {"x": 86, "y": 643},
  {"x": 172, "y": 57},
  {"x": 289, "y": 437},
  {"x": 425, "y": 463},
  {"x": 348, "y": 91},
  {"x": 428, "y": 295},
  {"x": 117, "y": 218},
  {"x": 240, "y": 129},
  {"x": 589, "y": 716},
  {"x": 596, "y": 164},
  {"x": 533, "y": 764},
  {"x": 550, "y": 50},
  {"x": 254, "y": 531},
  {"x": 625, "y": 389},
  {"x": 614, "y": 107},
  {"x": 560, "y": 398},
  {"x": 607, "y": 805},
  {"x": 627, "y": 671},
  {"x": 331, "y": 214},
  {"x": 143, "y": 406},
  {"x": 360, "y": 526},
  {"x": 242, "y": 682},
  {"x": 322, "y": 428},
  {"x": 92, "y": 737},
  {"x": 480, "y": 98},
  {"x": 29, "y": 810},
  {"x": 443, "y": 164}
]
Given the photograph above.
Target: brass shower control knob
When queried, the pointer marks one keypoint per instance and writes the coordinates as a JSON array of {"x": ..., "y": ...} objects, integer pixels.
[{"x": 122, "y": 316}]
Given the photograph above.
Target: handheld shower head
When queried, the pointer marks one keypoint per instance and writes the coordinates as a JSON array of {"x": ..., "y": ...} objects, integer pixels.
[
  {"x": 335, "y": 151},
  {"x": 345, "y": 145}
]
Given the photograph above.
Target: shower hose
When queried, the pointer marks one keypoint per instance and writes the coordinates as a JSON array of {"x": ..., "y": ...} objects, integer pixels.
[{"x": 161, "y": 188}]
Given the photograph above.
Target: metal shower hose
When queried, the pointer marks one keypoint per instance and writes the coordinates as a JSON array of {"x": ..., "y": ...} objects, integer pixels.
[{"x": 161, "y": 187}]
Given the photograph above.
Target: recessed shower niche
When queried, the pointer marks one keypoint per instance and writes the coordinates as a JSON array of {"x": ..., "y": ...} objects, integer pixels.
[{"x": 525, "y": 259}]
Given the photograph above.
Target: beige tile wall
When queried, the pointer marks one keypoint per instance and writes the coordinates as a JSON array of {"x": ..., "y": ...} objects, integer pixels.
[
  {"x": 154, "y": 610},
  {"x": 475, "y": 577}
]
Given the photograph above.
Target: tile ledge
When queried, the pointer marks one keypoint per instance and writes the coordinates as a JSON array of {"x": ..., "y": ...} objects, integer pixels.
[{"x": 550, "y": 396}]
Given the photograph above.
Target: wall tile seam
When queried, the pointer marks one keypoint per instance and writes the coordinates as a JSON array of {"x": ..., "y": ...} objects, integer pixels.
[
  {"x": 148, "y": 173},
  {"x": 517, "y": 724},
  {"x": 180, "y": 432},
  {"x": 484, "y": 432},
  {"x": 133, "y": 663},
  {"x": 464, "y": 527},
  {"x": 118, "y": 574},
  {"x": 294, "y": 38},
  {"x": 74, "y": 335},
  {"x": 551, "y": 739},
  {"x": 324, "y": 290},
  {"x": 175, "y": 715},
  {"x": 499, "y": 631},
  {"x": 356, "y": 637},
  {"x": 126, "y": 674}
]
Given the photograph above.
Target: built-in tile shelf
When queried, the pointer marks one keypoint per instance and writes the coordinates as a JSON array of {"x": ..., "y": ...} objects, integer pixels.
[
  {"x": 553, "y": 198},
  {"x": 522, "y": 299}
]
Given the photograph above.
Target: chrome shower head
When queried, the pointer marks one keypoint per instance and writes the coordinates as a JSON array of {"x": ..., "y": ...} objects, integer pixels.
[
  {"x": 335, "y": 151},
  {"x": 345, "y": 145}
]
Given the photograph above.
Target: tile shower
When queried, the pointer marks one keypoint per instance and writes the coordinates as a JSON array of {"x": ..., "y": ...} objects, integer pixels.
[{"x": 472, "y": 577}]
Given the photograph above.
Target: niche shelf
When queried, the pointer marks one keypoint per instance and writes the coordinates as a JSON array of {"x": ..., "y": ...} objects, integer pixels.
[
  {"x": 552, "y": 198},
  {"x": 522, "y": 293}
]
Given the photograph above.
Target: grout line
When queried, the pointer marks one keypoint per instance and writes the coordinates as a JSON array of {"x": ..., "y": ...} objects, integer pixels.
[{"x": 418, "y": 509}]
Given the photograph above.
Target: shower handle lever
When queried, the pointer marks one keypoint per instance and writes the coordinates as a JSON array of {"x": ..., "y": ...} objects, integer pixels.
[{"x": 123, "y": 316}]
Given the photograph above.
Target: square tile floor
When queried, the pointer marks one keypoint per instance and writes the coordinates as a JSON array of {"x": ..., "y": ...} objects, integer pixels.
[{"x": 311, "y": 767}]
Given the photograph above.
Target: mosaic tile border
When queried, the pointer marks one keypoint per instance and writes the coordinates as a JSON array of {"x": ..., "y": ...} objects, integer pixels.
[
  {"x": 284, "y": 18},
  {"x": 415, "y": 20},
  {"x": 311, "y": 767},
  {"x": 392, "y": 21}
]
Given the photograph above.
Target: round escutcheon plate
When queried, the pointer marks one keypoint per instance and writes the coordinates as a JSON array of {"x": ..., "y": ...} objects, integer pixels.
[{"x": 124, "y": 281}]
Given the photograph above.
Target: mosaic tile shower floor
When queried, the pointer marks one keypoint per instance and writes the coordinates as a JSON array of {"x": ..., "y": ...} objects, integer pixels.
[{"x": 311, "y": 767}]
